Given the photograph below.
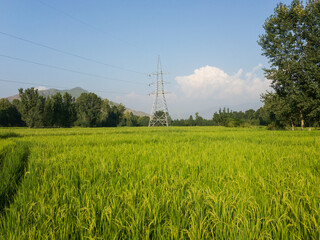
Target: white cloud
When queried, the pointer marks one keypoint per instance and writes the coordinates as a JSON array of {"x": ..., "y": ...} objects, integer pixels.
[
  {"x": 40, "y": 88},
  {"x": 205, "y": 91},
  {"x": 213, "y": 83}
]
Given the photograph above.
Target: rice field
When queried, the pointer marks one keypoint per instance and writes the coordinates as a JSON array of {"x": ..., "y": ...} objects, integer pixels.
[{"x": 159, "y": 183}]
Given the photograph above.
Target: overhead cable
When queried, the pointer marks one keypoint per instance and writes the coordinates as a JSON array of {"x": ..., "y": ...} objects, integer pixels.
[
  {"x": 89, "y": 25},
  {"x": 69, "y": 53},
  {"x": 68, "y": 70}
]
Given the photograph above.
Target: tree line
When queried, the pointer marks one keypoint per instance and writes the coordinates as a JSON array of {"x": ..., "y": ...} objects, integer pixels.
[
  {"x": 88, "y": 110},
  {"x": 228, "y": 118}
]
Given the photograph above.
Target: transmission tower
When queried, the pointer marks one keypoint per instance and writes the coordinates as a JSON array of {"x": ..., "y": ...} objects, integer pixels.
[{"x": 159, "y": 112}]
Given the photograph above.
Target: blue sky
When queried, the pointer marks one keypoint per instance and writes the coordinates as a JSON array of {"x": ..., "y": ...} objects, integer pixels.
[{"x": 208, "y": 47}]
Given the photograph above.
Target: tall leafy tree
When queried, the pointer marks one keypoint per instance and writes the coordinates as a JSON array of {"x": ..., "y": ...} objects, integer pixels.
[
  {"x": 9, "y": 114},
  {"x": 198, "y": 120},
  {"x": 31, "y": 107},
  {"x": 112, "y": 114},
  {"x": 278, "y": 111},
  {"x": 59, "y": 111},
  {"x": 143, "y": 121},
  {"x": 53, "y": 111},
  {"x": 88, "y": 109},
  {"x": 312, "y": 58},
  {"x": 291, "y": 43},
  {"x": 68, "y": 110},
  {"x": 129, "y": 119}
]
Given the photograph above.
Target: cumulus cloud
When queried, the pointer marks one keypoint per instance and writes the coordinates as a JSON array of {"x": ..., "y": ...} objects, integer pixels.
[{"x": 212, "y": 82}]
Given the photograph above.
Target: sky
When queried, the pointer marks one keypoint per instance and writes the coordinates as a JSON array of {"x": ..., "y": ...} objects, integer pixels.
[{"x": 207, "y": 48}]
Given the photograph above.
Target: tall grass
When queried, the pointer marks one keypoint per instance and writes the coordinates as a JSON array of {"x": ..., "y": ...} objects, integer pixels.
[{"x": 141, "y": 183}]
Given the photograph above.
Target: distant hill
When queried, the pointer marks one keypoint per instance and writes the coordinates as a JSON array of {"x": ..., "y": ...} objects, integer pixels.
[
  {"x": 138, "y": 113},
  {"x": 135, "y": 112},
  {"x": 74, "y": 92}
]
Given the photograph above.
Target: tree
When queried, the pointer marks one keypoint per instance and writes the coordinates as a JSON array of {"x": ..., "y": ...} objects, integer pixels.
[
  {"x": 221, "y": 118},
  {"x": 53, "y": 111},
  {"x": 198, "y": 120},
  {"x": 69, "y": 110},
  {"x": 291, "y": 43},
  {"x": 190, "y": 121},
  {"x": 249, "y": 115},
  {"x": 9, "y": 114},
  {"x": 312, "y": 54},
  {"x": 143, "y": 121},
  {"x": 111, "y": 114},
  {"x": 31, "y": 107},
  {"x": 59, "y": 111},
  {"x": 278, "y": 112},
  {"x": 88, "y": 110},
  {"x": 263, "y": 117},
  {"x": 129, "y": 119}
]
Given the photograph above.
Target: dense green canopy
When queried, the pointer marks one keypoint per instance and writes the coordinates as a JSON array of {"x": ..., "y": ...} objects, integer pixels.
[{"x": 291, "y": 42}]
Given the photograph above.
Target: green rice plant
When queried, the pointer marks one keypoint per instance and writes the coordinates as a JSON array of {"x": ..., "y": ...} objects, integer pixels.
[
  {"x": 8, "y": 134},
  {"x": 166, "y": 183},
  {"x": 13, "y": 163}
]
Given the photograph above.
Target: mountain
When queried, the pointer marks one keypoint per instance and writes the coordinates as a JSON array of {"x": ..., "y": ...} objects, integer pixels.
[
  {"x": 135, "y": 112},
  {"x": 74, "y": 92},
  {"x": 138, "y": 113}
]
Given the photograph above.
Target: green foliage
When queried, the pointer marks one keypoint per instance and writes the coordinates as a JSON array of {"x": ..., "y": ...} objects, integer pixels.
[
  {"x": 291, "y": 43},
  {"x": 143, "y": 121},
  {"x": 280, "y": 113},
  {"x": 112, "y": 115},
  {"x": 166, "y": 183},
  {"x": 88, "y": 110},
  {"x": 190, "y": 121},
  {"x": 69, "y": 115},
  {"x": 129, "y": 120},
  {"x": 227, "y": 118},
  {"x": 9, "y": 114},
  {"x": 53, "y": 111},
  {"x": 31, "y": 107},
  {"x": 159, "y": 119},
  {"x": 59, "y": 111}
]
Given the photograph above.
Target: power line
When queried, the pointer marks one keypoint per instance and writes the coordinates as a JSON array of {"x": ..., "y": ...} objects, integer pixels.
[
  {"x": 51, "y": 86},
  {"x": 29, "y": 83},
  {"x": 68, "y": 53},
  {"x": 88, "y": 25},
  {"x": 68, "y": 70}
]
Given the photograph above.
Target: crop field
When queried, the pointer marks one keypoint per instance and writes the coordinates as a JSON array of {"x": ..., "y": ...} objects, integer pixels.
[{"x": 159, "y": 183}]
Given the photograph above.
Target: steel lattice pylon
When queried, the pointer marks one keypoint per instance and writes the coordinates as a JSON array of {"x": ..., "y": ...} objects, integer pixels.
[{"x": 159, "y": 112}]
